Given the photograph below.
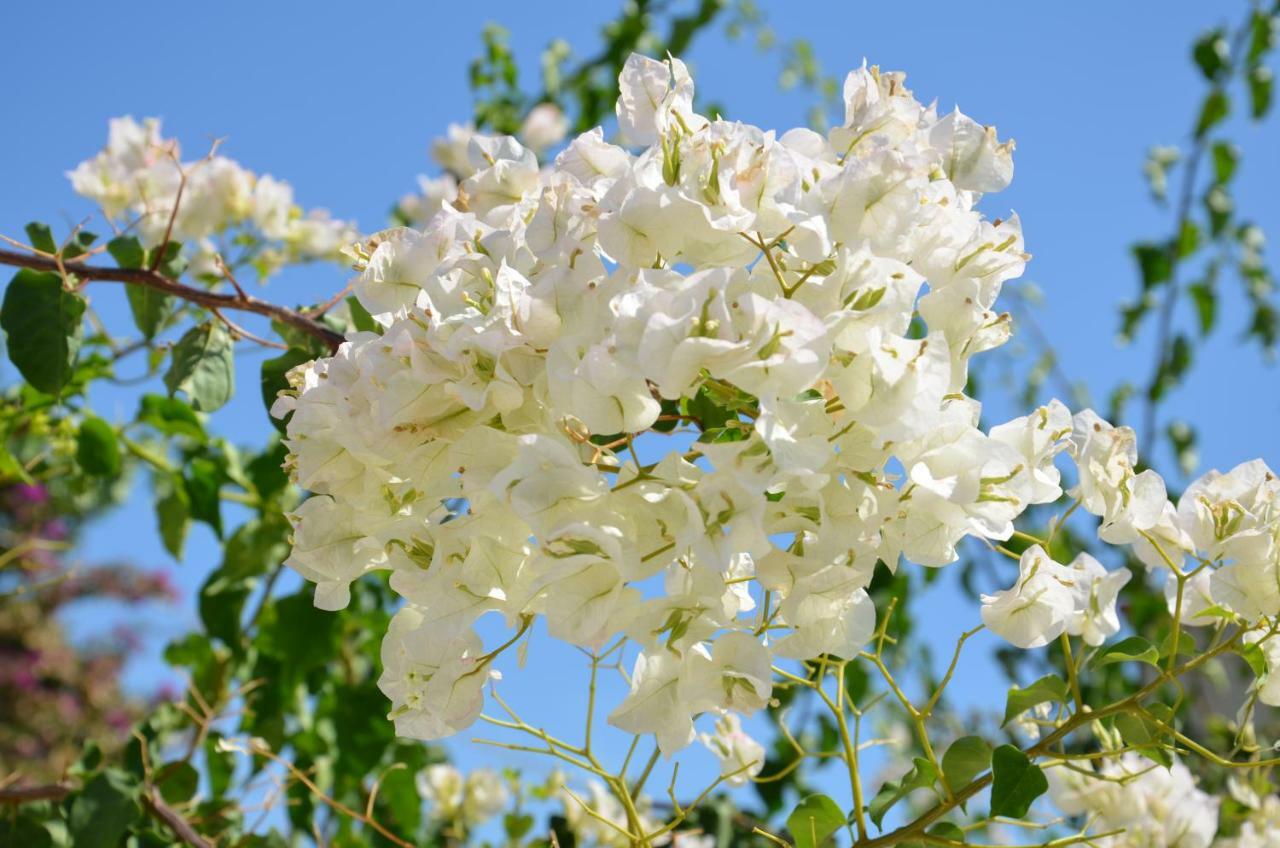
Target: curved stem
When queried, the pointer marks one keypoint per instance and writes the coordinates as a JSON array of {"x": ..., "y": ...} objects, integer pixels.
[{"x": 155, "y": 280}]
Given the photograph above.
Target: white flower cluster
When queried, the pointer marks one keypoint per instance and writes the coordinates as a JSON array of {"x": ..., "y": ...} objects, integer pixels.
[
  {"x": 468, "y": 800},
  {"x": 810, "y": 302},
  {"x": 1156, "y": 807},
  {"x": 1261, "y": 825},
  {"x": 544, "y": 128},
  {"x": 139, "y": 177},
  {"x": 597, "y": 819}
]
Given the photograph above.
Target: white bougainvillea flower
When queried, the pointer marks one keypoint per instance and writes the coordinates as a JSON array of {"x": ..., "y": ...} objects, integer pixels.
[
  {"x": 1036, "y": 610},
  {"x": 1094, "y": 591},
  {"x": 1151, "y": 804},
  {"x": 139, "y": 174},
  {"x": 631, "y": 390},
  {"x": 740, "y": 756},
  {"x": 656, "y": 703},
  {"x": 434, "y": 679}
]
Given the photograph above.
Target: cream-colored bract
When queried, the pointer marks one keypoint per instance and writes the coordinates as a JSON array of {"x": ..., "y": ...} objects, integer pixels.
[{"x": 826, "y": 293}]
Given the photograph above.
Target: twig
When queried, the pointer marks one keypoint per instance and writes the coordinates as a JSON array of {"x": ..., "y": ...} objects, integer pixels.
[
  {"x": 240, "y": 332},
  {"x": 159, "y": 282},
  {"x": 154, "y": 804},
  {"x": 1185, "y": 201},
  {"x": 180, "y": 826}
]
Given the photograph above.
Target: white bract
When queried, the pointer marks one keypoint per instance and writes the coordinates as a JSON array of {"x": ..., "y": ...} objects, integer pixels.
[
  {"x": 807, "y": 305},
  {"x": 1156, "y": 807},
  {"x": 139, "y": 179}
]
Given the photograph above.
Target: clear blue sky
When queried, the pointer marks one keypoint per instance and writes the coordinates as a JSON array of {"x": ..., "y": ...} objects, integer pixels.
[{"x": 341, "y": 100}]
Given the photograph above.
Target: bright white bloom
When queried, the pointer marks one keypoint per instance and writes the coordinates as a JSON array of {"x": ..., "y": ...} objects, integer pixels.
[
  {"x": 443, "y": 787},
  {"x": 1234, "y": 519},
  {"x": 1036, "y": 610},
  {"x": 469, "y": 800},
  {"x": 739, "y": 754},
  {"x": 802, "y": 309},
  {"x": 141, "y": 175},
  {"x": 1050, "y": 599},
  {"x": 1158, "y": 808},
  {"x": 1128, "y": 502},
  {"x": 1261, "y": 829},
  {"x": 1039, "y": 437},
  {"x": 434, "y": 680},
  {"x": 485, "y": 796},
  {"x": 657, "y": 704},
  {"x": 1094, "y": 591},
  {"x": 545, "y": 126}
]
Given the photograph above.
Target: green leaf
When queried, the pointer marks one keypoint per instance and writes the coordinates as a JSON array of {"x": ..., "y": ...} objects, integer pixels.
[
  {"x": 1188, "y": 239},
  {"x": 26, "y": 831},
  {"x": 221, "y": 604},
  {"x": 274, "y": 382},
  {"x": 78, "y": 244},
  {"x": 943, "y": 830},
  {"x": 297, "y": 633},
  {"x": 711, "y": 414},
  {"x": 256, "y": 546},
  {"x": 1016, "y": 782},
  {"x": 1133, "y": 649},
  {"x": 41, "y": 237},
  {"x": 266, "y": 470},
  {"x": 178, "y": 782},
  {"x": 1185, "y": 644},
  {"x": 1262, "y": 36},
  {"x": 171, "y": 416},
  {"x": 517, "y": 825},
  {"x": 1226, "y": 158},
  {"x": 11, "y": 468},
  {"x": 1254, "y": 656},
  {"x": 360, "y": 317},
  {"x": 1206, "y": 303},
  {"x": 102, "y": 812},
  {"x": 400, "y": 795},
  {"x": 968, "y": 757},
  {"x": 1213, "y": 111},
  {"x": 1137, "y": 732},
  {"x": 220, "y": 765},
  {"x": 1134, "y": 730},
  {"x": 97, "y": 450},
  {"x": 173, "y": 516},
  {"x": 1212, "y": 54},
  {"x": 1219, "y": 207},
  {"x": 922, "y": 776},
  {"x": 150, "y": 308},
  {"x": 1048, "y": 688},
  {"x": 947, "y": 830},
  {"x": 813, "y": 821},
  {"x": 294, "y": 337},
  {"x": 42, "y": 320},
  {"x": 1154, "y": 263},
  {"x": 127, "y": 251},
  {"x": 173, "y": 262},
  {"x": 202, "y": 367},
  {"x": 203, "y": 483},
  {"x": 1261, "y": 91},
  {"x": 1217, "y": 611}
]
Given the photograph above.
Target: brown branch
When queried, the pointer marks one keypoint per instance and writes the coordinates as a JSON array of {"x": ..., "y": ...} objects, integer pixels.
[
  {"x": 26, "y": 794},
  {"x": 155, "y": 806},
  {"x": 180, "y": 826},
  {"x": 159, "y": 282}
]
